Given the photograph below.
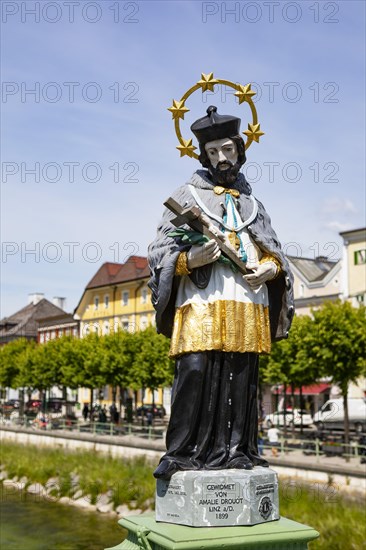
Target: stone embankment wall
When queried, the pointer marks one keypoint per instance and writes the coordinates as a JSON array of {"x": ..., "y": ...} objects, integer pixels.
[{"x": 126, "y": 446}]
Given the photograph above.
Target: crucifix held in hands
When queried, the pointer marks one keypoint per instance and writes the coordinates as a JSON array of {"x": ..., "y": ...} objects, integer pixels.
[{"x": 198, "y": 221}]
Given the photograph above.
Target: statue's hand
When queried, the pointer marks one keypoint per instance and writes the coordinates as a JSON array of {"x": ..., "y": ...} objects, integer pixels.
[
  {"x": 198, "y": 256},
  {"x": 261, "y": 273}
]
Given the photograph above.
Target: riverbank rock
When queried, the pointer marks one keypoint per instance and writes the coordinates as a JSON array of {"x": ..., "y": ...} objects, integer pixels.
[
  {"x": 105, "y": 508},
  {"x": 78, "y": 494},
  {"x": 103, "y": 499},
  {"x": 149, "y": 504},
  {"x": 36, "y": 489},
  {"x": 8, "y": 482},
  {"x": 123, "y": 510},
  {"x": 52, "y": 486},
  {"x": 75, "y": 478},
  {"x": 84, "y": 502},
  {"x": 65, "y": 500}
]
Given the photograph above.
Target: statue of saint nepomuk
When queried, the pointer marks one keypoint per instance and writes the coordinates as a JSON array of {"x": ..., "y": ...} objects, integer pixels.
[{"x": 218, "y": 319}]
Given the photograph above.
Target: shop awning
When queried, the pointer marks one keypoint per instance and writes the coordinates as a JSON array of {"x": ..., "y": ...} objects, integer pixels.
[{"x": 313, "y": 389}]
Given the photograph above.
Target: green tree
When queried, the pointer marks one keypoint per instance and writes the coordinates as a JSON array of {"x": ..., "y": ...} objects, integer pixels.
[
  {"x": 289, "y": 363},
  {"x": 15, "y": 358},
  {"x": 9, "y": 362},
  {"x": 118, "y": 360},
  {"x": 152, "y": 366},
  {"x": 93, "y": 357},
  {"x": 27, "y": 360},
  {"x": 338, "y": 346},
  {"x": 48, "y": 360}
]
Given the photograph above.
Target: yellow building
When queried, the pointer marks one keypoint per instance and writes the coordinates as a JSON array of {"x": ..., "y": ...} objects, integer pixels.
[
  {"x": 117, "y": 297},
  {"x": 354, "y": 262},
  {"x": 354, "y": 283}
]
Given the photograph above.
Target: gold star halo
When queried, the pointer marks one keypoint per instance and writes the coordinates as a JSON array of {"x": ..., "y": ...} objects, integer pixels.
[
  {"x": 244, "y": 93},
  {"x": 254, "y": 132},
  {"x": 178, "y": 109},
  {"x": 207, "y": 83},
  {"x": 186, "y": 148}
]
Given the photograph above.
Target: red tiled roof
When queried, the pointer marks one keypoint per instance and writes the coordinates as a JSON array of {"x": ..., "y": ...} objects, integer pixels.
[{"x": 109, "y": 273}]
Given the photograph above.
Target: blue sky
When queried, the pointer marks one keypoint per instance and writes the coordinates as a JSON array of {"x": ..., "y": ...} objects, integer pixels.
[{"x": 305, "y": 59}]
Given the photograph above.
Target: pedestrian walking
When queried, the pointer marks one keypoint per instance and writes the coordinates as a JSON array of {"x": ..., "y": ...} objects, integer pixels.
[
  {"x": 85, "y": 412},
  {"x": 273, "y": 434},
  {"x": 149, "y": 418}
]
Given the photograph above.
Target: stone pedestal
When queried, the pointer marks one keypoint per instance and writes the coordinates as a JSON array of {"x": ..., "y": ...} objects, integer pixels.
[
  {"x": 144, "y": 533},
  {"x": 220, "y": 498}
]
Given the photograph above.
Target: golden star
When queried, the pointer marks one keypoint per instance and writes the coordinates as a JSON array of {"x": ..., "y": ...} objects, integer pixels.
[
  {"x": 254, "y": 132},
  {"x": 187, "y": 148},
  {"x": 178, "y": 109},
  {"x": 207, "y": 82},
  {"x": 245, "y": 93}
]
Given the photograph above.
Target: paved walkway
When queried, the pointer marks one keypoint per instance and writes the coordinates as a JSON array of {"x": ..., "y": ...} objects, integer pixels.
[{"x": 332, "y": 465}]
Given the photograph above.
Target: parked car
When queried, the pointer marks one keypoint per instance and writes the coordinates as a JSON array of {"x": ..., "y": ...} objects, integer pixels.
[
  {"x": 331, "y": 415},
  {"x": 8, "y": 407},
  {"x": 14, "y": 402},
  {"x": 293, "y": 417},
  {"x": 157, "y": 410},
  {"x": 32, "y": 407}
]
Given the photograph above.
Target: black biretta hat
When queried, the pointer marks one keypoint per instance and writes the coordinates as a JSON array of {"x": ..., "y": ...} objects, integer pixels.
[{"x": 215, "y": 126}]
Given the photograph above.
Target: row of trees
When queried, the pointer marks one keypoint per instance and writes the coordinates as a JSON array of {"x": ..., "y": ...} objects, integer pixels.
[
  {"x": 121, "y": 359},
  {"x": 331, "y": 343}
]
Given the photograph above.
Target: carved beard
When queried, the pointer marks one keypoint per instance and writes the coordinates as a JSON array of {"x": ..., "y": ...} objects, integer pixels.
[{"x": 224, "y": 177}]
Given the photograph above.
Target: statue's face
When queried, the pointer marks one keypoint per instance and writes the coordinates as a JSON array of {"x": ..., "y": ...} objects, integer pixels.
[{"x": 222, "y": 153}]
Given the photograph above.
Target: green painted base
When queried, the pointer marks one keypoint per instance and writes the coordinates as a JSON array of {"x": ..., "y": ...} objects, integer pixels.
[{"x": 145, "y": 533}]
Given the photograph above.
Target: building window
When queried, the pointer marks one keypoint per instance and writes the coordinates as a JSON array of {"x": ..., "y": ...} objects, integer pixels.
[
  {"x": 53, "y": 334},
  {"x": 144, "y": 296},
  {"x": 143, "y": 323},
  {"x": 125, "y": 325},
  {"x": 302, "y": 290},
  {"x": 96, "y": 302},
  {"x": 41, "y": 337},
  {"x": 75, "y": 331},
  {"x": 106, "y": 301},
  {"x": 360, "y": 257},
  {"x": 60, "y": 332},
  {"x": 125, "y": 295},
  {"x": 106, "y": 328},
  {"x": 96, "y": 328},
  {"x": 360, "y": 298}
]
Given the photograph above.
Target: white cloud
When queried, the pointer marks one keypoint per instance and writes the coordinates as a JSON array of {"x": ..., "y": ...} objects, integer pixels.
[
  {"x": 338, "y": 226},
  {"x": 339, "y": 205}
]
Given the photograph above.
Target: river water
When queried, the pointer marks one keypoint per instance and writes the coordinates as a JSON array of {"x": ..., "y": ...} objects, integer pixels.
[{"x": 31, "y": 523}]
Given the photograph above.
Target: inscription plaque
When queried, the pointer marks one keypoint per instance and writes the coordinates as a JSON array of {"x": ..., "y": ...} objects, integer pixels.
[{"x": 206, "y": 498}]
